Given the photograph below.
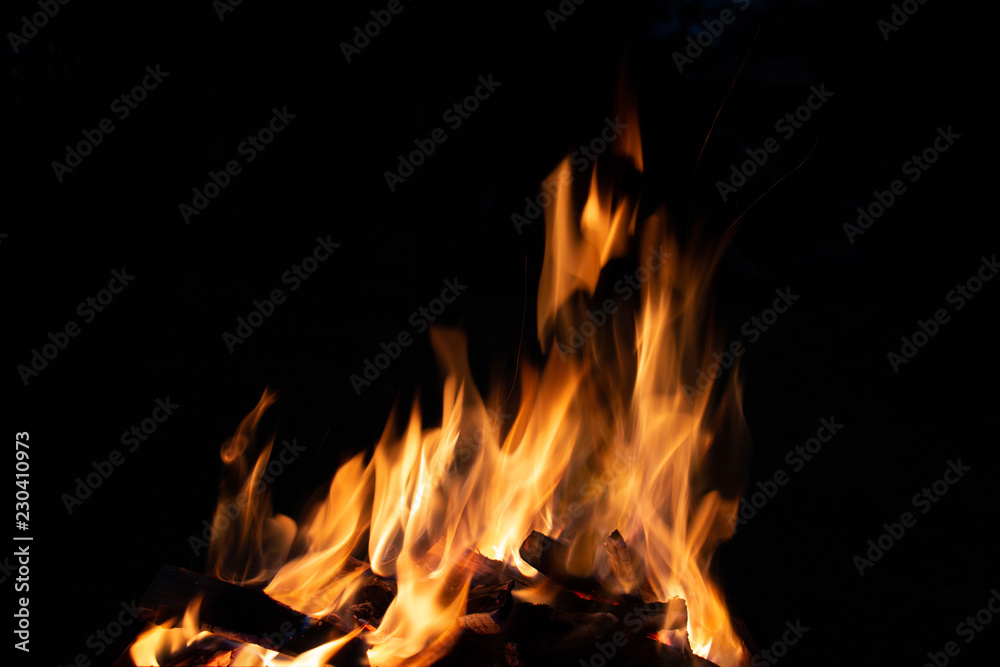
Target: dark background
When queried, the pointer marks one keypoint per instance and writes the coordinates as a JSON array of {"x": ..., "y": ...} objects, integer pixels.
[{"x": 324, "y": 176}]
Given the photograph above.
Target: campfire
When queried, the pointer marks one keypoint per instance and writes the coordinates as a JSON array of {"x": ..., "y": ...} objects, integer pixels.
[{"x": 569, "y": 520}]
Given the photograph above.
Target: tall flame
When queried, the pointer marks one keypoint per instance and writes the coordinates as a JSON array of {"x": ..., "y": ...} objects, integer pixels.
[
  {"x": 607, "y": 436},
  {"x": 249, "y": 542}
]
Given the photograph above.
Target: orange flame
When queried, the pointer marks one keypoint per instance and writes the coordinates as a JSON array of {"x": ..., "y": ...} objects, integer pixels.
[
  {"x": 604, "y": 438},
  {"x": 159, "y": 642},
  {"x": 249, "y": 542}
]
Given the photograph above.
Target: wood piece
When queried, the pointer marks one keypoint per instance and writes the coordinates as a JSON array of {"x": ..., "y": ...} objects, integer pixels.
[
  {"x": 510, "y": 655},
  {"x": 489, "y": 597},
  {"x": 215, "y": 651},
  {"x": 627, "y": 568},
  {"x": 536, "y": 635},
  {"x": 438, "y": 649},
  {"x": 576, "y": 629},
  {"x": 495, "y": 630},
  {"x": 240, "y": 613},
  {"x": 482, "y": 570},
  {"x": 482, "y": 623},
  {"x": 373, "y": 598},
  {"x": 549, "y": 556},
  {"x": 206, "y": 653}
]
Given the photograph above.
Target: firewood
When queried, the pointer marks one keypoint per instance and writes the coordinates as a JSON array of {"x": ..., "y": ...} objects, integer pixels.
[
  {"x": 626, "y": 568},
  {"x": 495, "y": 629},
  {"x": 549, "y": 556},
  {"x": 207, "y": 653},
  {"x": 489, "y": 597},
  {"x": 438, "y": 649},
  {"x": 240, "y": 613},
  {"x": 480, "y": 569},
  {"x": 217, "y": 652},
  {"x": 373, "y": 598},
  {"x": 579, "y": 629},
  {"x": 482, "y": 623},
  {"x": 510, "y": 655}
]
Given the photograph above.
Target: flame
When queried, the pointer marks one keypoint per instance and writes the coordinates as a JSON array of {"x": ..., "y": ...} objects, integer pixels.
[
  {"x": 159, "y": 642},
  {"x": 649, "y": 458},
  {"x": 606, "y": 437},
  {"x": 666, "y": 507},
  {"x": 250, "y": 542},
  {"x": 324, "y": 579},
  {"x": 575, "y": 252},
  {"x": 250, "y": 655}
]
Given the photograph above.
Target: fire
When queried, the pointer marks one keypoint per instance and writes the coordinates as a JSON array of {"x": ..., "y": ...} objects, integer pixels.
[
  {"x": 252, "y": 545},
  {"x": 607, "y": 437},
  {"x": 249, "y": 655},
  {"x": 160, "y": 642}
]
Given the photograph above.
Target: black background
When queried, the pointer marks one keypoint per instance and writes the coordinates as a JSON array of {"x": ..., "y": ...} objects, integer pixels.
[{"x": 324, "y": 176}]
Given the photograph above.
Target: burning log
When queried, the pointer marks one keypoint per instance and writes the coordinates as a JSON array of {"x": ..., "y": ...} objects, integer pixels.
[
  {"x": 482, "y": 624},
  {"x": 626, "y": 570},
  {"x": 495, "y": 626},
  {"x": 540, "y": 634},
  {"x": 549, "y": 557},
  {"x": 482, "y": 570},
  {"x": 438, "y": 650},
  {"x": 576, "y": 629},
  {"x": 489, "y": 598},
  {"x": 207, "y": 653},
  {"x": 373, "y": 598},
  {"x": 487, "y": 608},
  {"x": 236, "y": 612}
]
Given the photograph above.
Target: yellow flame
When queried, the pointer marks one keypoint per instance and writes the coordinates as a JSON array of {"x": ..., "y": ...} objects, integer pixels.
[
  {"x": 606, "y": 436},
  {"x": 159, "y": 642},
  {"x": 249, "y": 655},
  {"x": 249, "y": 542}
]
